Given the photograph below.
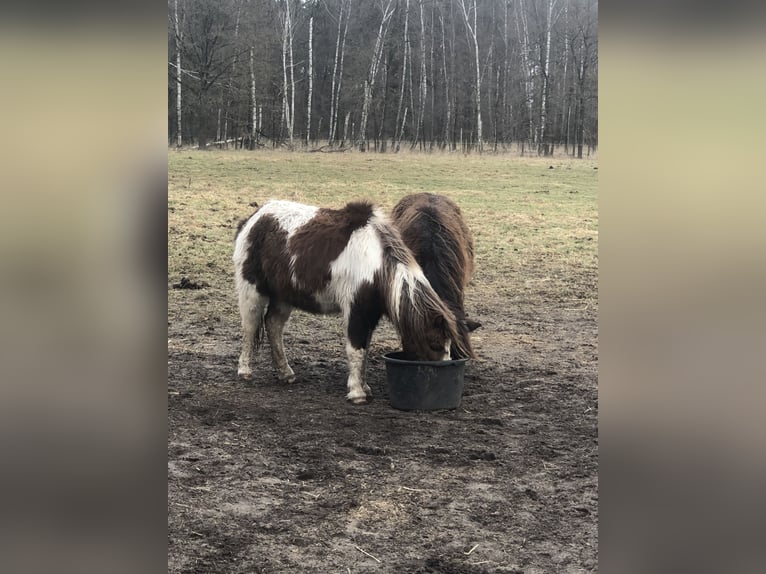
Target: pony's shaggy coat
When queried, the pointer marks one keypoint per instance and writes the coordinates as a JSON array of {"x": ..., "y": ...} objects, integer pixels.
[
  {"x": 350, "y": 261},
  {"x": 432, "y": 226}
]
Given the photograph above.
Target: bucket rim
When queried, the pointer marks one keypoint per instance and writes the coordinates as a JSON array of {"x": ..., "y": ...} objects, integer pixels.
[{"x": 391, "y": 357}]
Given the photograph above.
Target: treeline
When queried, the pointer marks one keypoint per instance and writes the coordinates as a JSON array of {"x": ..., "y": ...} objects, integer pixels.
[{"x": 384, "y": 74}]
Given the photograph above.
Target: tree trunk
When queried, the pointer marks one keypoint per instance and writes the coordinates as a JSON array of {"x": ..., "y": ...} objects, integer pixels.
[
  {"x": 342, "y": 58},
  {"x": 311, "y": 82},
  {"x": 523, "y": 34},
  {"x": 345, "y": 129},
  {"x": 254, "y": 126},
  {"x": 506, "y": 121},
  {"x": 288, "y": 90},
  {"x": 179, "y": 39},
  {"x": 227, "y": 105},
  {"x": 472, "y": 30},
  {"x": 423, "y": 77},
  {"x": 369, "y": 83},
  {"x": 542, "y": 147},
  {"x": 399, "y": 134},
  {"x": 433, "y": 84},
  {"x": 333, "y": 110},
  {"x": 564, "y": 101},
  {"x": 580, "y": 129},
  {"x": 447, "y": 105}
]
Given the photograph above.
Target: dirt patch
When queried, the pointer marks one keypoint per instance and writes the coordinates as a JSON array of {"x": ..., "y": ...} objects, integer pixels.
[{"x": 274, "y": 478}]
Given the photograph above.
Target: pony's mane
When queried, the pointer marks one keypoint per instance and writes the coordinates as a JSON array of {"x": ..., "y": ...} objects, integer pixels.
[{"x": 453, "y": 263}]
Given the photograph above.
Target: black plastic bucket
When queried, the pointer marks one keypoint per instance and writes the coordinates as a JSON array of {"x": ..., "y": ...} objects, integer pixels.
[{"x": 424, "y": 385}]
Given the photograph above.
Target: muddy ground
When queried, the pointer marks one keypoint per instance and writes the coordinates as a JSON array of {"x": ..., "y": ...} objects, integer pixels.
[{"x": 268, "y": 477}]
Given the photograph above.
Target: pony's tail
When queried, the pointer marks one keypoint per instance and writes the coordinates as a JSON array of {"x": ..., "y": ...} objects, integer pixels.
[{"x": 259, "y": 332}]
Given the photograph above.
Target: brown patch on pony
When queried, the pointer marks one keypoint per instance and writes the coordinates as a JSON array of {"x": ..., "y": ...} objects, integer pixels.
[
  {"x": 268, "y": 269},
  {"x": 322, "y": 239},
  {"x": 432, "y": 226}
]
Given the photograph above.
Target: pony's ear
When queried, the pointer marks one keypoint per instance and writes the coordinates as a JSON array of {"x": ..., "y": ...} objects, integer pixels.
[{"x": 472, "y": 325}]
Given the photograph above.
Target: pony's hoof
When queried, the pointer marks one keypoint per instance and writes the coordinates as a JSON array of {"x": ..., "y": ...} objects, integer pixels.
[
  {"x": 358, "y": 401},
  {"x": 245, "y": 375},
  {"x": 287, "y": 378}
]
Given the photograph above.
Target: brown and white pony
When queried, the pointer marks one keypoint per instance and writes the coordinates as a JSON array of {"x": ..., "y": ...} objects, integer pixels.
[
  {"x": 433, "y": 228},
  {"x": 350, "y": 261}
]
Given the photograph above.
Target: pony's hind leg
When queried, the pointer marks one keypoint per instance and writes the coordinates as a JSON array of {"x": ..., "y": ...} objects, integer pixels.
[
  {"x": 276, "y": 317},
  {"x": 251, "y": 306}
]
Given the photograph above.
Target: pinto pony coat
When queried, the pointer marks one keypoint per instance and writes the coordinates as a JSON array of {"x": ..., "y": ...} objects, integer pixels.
[
  {"x": 350, "y": 261},
  {"x": 433, "y": 228}
]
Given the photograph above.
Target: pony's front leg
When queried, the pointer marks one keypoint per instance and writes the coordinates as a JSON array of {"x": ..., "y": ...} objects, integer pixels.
[
  {"x": 361, "y": 322},
  {"x": 358, "y": 390},
  {"x": 276, "y": 317}
]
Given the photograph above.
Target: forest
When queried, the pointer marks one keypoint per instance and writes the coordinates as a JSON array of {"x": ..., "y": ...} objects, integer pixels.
[{"x": 384, "y": 75}]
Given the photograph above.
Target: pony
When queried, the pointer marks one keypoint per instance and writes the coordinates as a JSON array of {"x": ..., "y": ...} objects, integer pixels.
[
  {"x": 351, "y": 261},
  {"x": 432, "y": 226}
]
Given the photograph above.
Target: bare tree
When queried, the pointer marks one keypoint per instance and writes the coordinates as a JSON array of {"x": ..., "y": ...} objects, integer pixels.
[
  {"x": 288, "y": 91},
  {"x": 472, "y": 31},
  {"x": 447, "y": 105},
  {"x": 522, "y": 32},
  {"x": 254, "y": 125},
  {"x": 369, "y": 83},
  {"x": 179, "y": 42},
  {"x": 398, "y": 135},
  {"x": 334, "y": 77},
  {"x": 337, "y": 71},
  {"x": 227, "y": 107},
  {"x": 423, "y": 77},
  {"x": 542, "y": 145},
  {"x": 311, "y": 80}
]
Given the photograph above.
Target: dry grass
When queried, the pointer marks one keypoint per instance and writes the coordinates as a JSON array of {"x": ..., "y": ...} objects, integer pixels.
[{"x": 535, "y": 220}]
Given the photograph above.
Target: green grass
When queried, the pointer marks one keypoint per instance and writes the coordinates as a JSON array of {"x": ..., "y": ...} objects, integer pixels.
[{"x": 532, "y": 225}]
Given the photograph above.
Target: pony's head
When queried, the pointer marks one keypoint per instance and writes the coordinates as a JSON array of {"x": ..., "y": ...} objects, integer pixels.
[{"x": 428, "y": 327}]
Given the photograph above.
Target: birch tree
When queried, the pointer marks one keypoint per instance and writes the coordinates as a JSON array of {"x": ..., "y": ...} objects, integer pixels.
[
  {"x": 288, "y": 91},
  {"x": 311, "y": 81},
  {"x": 254, "y": 125},
  {"x": 423, "y": 78},
  {"x": 337, "y": 72},
  {"x": 227, "y": 107},
  {"x": 472, "y": 31},
  {"x": 522, "y": 31},
  {"x": 447, "y": 105},
  {"x": 369, "y": 83},
  {"x": 542, "y": 145},
  {"x": 179, "y": 42},
  {"x": 399, "y": 134}
]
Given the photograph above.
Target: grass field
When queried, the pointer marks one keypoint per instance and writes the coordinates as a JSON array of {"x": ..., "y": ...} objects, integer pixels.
[
  {"x": 530, "y": 222},
  {"x": 280, "y": 478}
]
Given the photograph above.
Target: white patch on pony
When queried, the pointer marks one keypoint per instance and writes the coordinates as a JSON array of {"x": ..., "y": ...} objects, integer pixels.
[
  {"x": 290, "y": 215},
  {"x": 406, "y": 276},
  {"x": 357, "y": 390},
  {"x": 356, "y": 265},
  {"x": 447, "y": 346}
]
